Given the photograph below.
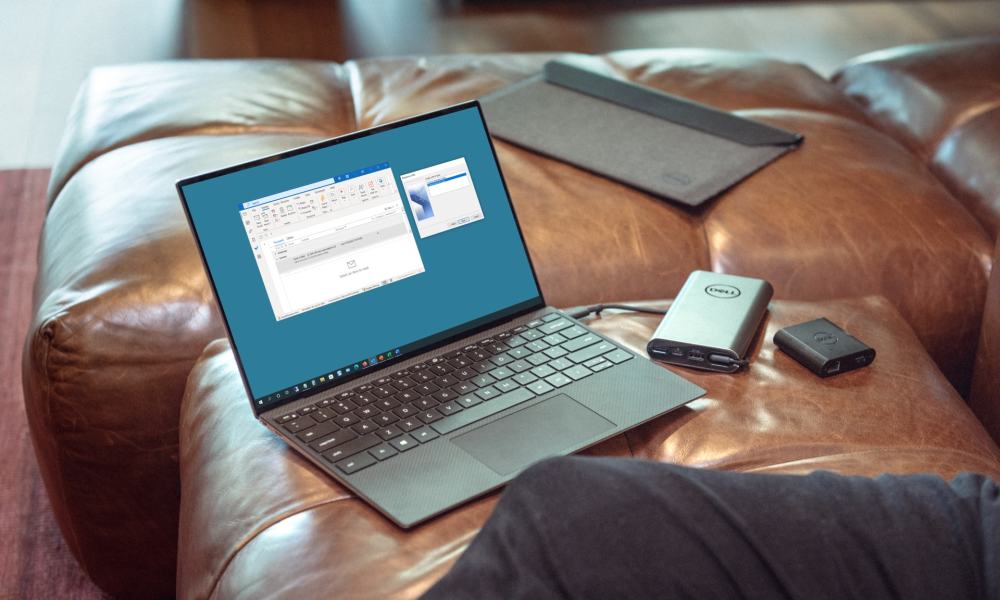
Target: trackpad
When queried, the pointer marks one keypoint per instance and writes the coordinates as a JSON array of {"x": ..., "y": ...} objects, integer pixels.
[{"x": 546, "y": 429}]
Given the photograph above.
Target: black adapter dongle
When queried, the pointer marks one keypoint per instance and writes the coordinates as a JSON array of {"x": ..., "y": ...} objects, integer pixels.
[{"x": 824, "y": 348}]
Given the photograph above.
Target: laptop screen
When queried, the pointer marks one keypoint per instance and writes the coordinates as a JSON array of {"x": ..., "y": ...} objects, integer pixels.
[{"x": 333, "y": 260}]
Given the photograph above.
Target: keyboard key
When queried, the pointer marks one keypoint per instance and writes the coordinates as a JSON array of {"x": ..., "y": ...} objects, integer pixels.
[
  {"x": 533, "y": 334},
  {"x": 355, "y": 445},
  {"x": 334, "y": 439},
  {"x": 385, "y": 419},
  {"x": 478, "y": 355},
  {"x": 387, "y": 433},
  {"x": 466, "y": 387},
  {"x": 356, "y": 463},
  {"x": 403, "y": 383},
  {"x": 525, "y": 378},
  {"x": 517, "y": 340},
  {"x": 423, "y": 376},
  {"x": 591, "y": 351},
  {"x": 345, "y": 420},
  {"x": 449, "y": 408},
  {"x": 299, "y": 424},
  {"x": 317, "y": 431},
  {"x": 483, "y": 380},
  {"x": 558, "y": 380},
  {"x": 540, "y": 387},
  {"x": 535, "y": 323},
  {"x": 442, "y": 368},
  {"x": 460, "y": 362},
  {"x": 601, "y": 365},
  {"x": 537, "y": 359},
  {"x": 381, "y": 392},
  {"x": 556, "y": 352},
  {"x": 425, "y": 403},
  {"x": 445, "y": 381},
  {"x": 287, "y": 418},
  {"x": 553, "y": 339},
  {"x": 581, "y": 342},
  {"x": 543, "y": 371},
  {"x": 560, "y": 364},
  {"x": 471, "y": 415},
  {"x": 364, "y": 427},
  {"x": 501, "y": 373},
  {"x": 573, "y": 332},
  {"x": 578, "y": 372},
  {"x": 405, "y": 411},
  {"x": 343, "y": 406},
  {"x": 406, "y": 397},
  {"x": 321, "y": 414},
  {"x": 551, "y": 317},
  {"x": 519, "y": 366},
  {"x": 366, "y": 412},
  {"x": 328, "y": 401},
  {"x": 507, "y": 385},
  {"x": 387, "y": 403},
  {"x": 429, "y": 416},
  {"x": 383, "y": 451},
  {"x": 305, "y": 410},
  {"x": 518, "y": 329},
  {"x": 469, "y": 401},
  {"x": 536, "y": 346},
  {"x": 410, "y": 424},
  {"x": 487, "y": 393},
  {"x": 594, "y": 361},
  {"x": 426, "y": 388},
  {"x": 424, "y": 435},
  {"x": 484, "y": 367},
  {"x": 501, "y": 359},
  {"x": 403, "y": 443},
  {"x": 445, "y": 395},
  {"x": 495, "y": 347},
  {"x": 618, "y": 356},
  {"x": 520, "y": 352},
  {"x": 554, "y": 326},
  {"x": 466, "y": 373}
]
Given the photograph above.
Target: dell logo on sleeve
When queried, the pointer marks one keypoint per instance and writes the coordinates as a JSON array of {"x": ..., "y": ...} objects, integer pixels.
[{"x": 722, "y": 291}]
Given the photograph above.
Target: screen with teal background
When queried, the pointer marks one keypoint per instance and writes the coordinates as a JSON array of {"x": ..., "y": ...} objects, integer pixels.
[{"x": 472, "y": 271}]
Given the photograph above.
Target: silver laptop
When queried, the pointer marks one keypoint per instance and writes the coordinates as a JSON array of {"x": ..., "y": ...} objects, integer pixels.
[{"x": 388, "y": 323}]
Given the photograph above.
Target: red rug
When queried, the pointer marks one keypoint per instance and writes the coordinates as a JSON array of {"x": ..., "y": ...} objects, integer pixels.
[{"x": 34, "y": 561}]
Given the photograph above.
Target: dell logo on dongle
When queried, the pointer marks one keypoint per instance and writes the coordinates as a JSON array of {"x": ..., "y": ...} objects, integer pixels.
[{"x": 722, "y": 291}]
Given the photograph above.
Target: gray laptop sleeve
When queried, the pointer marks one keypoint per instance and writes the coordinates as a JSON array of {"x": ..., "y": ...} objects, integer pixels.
[{"x": 578, "y": 112}]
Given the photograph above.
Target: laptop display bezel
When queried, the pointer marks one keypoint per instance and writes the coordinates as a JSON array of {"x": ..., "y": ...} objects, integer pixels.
[{"x": 462, "y": 331}]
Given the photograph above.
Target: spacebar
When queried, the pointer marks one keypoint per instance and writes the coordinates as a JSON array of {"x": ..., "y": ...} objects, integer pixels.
[{"x": 471, "y": 415}]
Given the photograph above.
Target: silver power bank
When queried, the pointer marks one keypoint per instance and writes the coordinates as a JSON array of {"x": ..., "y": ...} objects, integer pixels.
[{"x": 712, "y": 322}]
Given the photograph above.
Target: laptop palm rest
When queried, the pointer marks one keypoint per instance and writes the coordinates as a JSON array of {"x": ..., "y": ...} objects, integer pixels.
[{"x": 548, "y": 428}]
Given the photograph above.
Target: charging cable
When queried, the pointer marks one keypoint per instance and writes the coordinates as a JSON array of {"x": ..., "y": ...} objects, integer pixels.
[{"x": 597, "y": 309}]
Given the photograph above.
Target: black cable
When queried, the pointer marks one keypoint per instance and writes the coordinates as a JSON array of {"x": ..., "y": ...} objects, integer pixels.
[{"x": 596, "y": 309}]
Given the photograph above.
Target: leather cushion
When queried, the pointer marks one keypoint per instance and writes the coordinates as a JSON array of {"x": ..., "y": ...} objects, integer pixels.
[{"x": 259, "y": 521}]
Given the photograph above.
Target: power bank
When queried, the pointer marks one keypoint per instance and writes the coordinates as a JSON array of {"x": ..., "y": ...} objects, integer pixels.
[{"x": 712, "y": 322}]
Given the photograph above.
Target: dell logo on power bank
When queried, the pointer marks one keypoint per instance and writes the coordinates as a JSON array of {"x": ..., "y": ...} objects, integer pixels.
[{"x": 722, "y": 291}]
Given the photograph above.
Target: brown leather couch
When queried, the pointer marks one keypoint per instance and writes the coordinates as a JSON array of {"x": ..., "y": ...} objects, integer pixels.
[{"x": 123, "y": 310}]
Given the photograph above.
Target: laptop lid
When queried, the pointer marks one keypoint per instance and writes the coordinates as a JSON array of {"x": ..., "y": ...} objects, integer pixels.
[{"x": 337, "y": 259}]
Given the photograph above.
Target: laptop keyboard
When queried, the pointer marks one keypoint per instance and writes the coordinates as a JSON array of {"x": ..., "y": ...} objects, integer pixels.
[{"x": 414, "y": 406}]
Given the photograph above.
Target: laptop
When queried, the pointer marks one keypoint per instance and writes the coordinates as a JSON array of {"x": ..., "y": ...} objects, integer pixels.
[{"x": 388, "y": 324}]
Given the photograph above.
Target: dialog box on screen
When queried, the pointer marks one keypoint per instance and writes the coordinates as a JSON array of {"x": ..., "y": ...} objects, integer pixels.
[
  {"x": 330, "y": 240},
  {"x": 442, "y": 197}
]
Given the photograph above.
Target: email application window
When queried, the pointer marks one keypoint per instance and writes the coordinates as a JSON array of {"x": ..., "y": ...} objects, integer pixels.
[
  {"x": 330, "y": 240},
  {"x": 442, "y": 197}
]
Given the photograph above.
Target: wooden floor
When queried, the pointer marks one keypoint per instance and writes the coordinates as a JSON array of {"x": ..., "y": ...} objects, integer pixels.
[
  {"x": 34, "y": 561},
  {"x": 47, "y": 46}
]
